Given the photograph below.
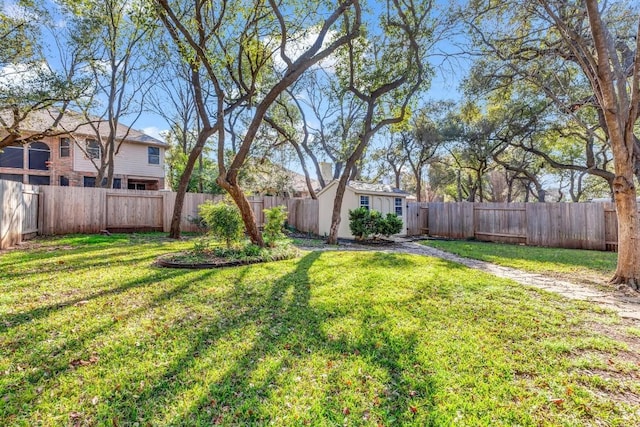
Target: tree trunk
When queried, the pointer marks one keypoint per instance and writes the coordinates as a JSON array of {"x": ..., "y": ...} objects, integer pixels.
[
  {"x": 174, "y": 230},
  {"x": 620, "y": 124},
  {"x": 628, "y": 268},
  {"x": 419, "y": 186},
  {"x": 244, "y": 206}
]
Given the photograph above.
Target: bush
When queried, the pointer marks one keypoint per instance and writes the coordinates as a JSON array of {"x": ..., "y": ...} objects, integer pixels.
[
  {"x": 364, "y": 223},
  {"x": 223, "y": 221},
  {"x": 274, "y": 225},
  {"x": 392, "y": 224}
]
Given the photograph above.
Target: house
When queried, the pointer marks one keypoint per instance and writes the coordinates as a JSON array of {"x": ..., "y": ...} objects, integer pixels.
[
  {"x": 380, "y": 197},
  {"x": 66, "y": 159}
]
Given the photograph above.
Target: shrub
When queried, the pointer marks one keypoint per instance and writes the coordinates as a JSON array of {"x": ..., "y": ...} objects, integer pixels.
[
  {"x": 364, "y": 223},
  {"x": 274, "y": 225},
  {"x": 360, "y": 223},
  {"x": 392, "y": 224},
  {"x": 223, "y": 221}
]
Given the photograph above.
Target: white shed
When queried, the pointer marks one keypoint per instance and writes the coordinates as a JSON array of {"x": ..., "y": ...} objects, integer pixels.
[{"x": 380, "y": 197}]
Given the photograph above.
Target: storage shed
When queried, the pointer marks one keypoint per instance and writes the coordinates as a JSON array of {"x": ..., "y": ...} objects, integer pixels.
[{"x": 380, "y": 197}]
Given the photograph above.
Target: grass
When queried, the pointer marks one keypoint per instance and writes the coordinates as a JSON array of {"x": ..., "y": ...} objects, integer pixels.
[
  {"x": 572, "y": 264},
  {"x": 92, "y": 334}
]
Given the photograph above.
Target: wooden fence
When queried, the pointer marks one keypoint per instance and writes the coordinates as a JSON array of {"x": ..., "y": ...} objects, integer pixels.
[
  {"x": 90, "y": 210},
  {"x": 19, "y": 212},
  {"x": 558, "y": 225},
  {"x": 27, "y": 210}
]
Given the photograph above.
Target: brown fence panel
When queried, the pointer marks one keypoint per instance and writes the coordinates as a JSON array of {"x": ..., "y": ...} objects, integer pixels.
[
  {"x": 190, "y": 212},
  {"x": 31, "y": 205},
  {"x": 142, "y": 210},
  {"x": 566, "y": 225},
  {"x": 11, "y": 213},
  {"x": 500, "y": 222},
  {"x": 73, "y": 210},
  {"x": 413, "y": 214},
  {"x": 610, "y": 226},
  {"x": 452, "y": 220},
  {"x": 417, "y": 218}
]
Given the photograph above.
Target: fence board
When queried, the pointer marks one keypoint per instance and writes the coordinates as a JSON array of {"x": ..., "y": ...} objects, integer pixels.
[
  {"x": 30, "y": 202},
  {"x": 11, "y": 213},
  {"x": 134, "y": 211},
  {"x": 566, "y": 225},
  {"x": 452, "y": 220},
  {"x": 417, "y": 218},
  {"x": 506, "y": 222}
]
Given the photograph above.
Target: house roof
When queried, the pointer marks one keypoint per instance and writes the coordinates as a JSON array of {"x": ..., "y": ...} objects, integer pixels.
[
  {"x": 74, "y": 123},
  {"x": 368, "y": 188},
  {"x": 299, "y": 182}
]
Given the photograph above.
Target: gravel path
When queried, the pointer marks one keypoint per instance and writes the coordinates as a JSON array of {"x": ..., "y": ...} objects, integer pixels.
[{"x": 626, "y": 305}]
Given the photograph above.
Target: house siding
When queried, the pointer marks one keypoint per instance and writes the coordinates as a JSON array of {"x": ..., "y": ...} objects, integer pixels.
[
  {"x": 380, "y": 202},
  {"x": 132, "y": 159}
]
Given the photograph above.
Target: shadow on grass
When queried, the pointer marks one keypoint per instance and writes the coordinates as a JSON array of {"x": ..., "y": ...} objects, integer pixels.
[
  {"x": 288, "y": 330},
  {"x": 77, "y": 258},
  {"x": 59, "y": 359},
  {"x": 12, "y": 320}
]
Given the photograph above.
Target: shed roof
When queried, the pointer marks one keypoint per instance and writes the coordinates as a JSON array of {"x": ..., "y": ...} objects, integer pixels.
[{"x": 369, "y": 188}]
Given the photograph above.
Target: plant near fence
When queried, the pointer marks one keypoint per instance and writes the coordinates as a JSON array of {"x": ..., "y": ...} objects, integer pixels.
[
  {"x": 223, "y": 221},
  {"x": 274, "y": 225},
  {"x": 364, "y": 223}
]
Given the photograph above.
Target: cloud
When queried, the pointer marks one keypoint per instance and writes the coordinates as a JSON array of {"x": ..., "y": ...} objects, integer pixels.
[
  {"x": 22, "y": 75},
  {"x": 155, "y": 132},
  {"x": 295, "y": 48}
]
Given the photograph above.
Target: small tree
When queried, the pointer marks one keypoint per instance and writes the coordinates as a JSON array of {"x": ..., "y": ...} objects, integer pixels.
[
  {"x": 223, "y": 220},
  {"x": 274, "y": 224}
]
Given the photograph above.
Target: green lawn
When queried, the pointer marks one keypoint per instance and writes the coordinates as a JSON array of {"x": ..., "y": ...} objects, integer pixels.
[
  {"x": 573, "y": 264},
  {"x": 92, "y": 334}
]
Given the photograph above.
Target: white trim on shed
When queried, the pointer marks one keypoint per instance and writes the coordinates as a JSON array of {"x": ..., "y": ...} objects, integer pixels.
[{"x": 381, "y": 198}]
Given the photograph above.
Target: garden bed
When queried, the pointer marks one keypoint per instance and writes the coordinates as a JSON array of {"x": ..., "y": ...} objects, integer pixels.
[
  {"x": 221, "y": 257},
  {"x": 186, "y": 260}
]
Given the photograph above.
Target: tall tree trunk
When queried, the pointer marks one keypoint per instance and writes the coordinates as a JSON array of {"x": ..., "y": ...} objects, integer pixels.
[
  {"x": 419, "y": 185},
  {"x": 337, "y": 208},
  {"x": 176, "y": 217},
  {"x": 244, "y": 206},
  {"x": 621, "y": 113}
]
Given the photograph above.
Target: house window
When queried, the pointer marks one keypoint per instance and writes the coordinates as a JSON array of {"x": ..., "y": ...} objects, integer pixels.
[
  {"x": 64, "y": 181},
  {"x": 93, "y": 149},
  {"x": 132, "y": 185},
  {"x": 12, "y": 157},
  {"x": 11, "y": 177},
  {"x": 38, "y": 180},
  {"x": 39, "y": 156},
  {"x": 117, "y": 183},
  {"x": 154, "y": 155},
  {"x": 364, "y": 202},
  {"x": 64, "y": 147},
  {"x": 398, "y": 204},
  {"x": 89, "y": 181}
]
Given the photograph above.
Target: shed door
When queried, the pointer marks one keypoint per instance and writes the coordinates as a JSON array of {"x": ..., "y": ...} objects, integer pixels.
[{"x": 383, "y": 204}]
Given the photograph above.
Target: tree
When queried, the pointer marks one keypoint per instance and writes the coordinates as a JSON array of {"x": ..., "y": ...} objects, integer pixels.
[
  {"x": 114, "y": 33},
  {"x": 599, "y": 46},
  {"x": 233, "y": 45},
  {"x": 421, "y": 141},
  {"x": 385, "y": 82},
  {"x": 34, "y": 83}
]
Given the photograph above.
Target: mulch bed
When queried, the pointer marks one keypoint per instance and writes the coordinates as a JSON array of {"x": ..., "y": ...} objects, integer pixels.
[{"x": 166, "y": 262}]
